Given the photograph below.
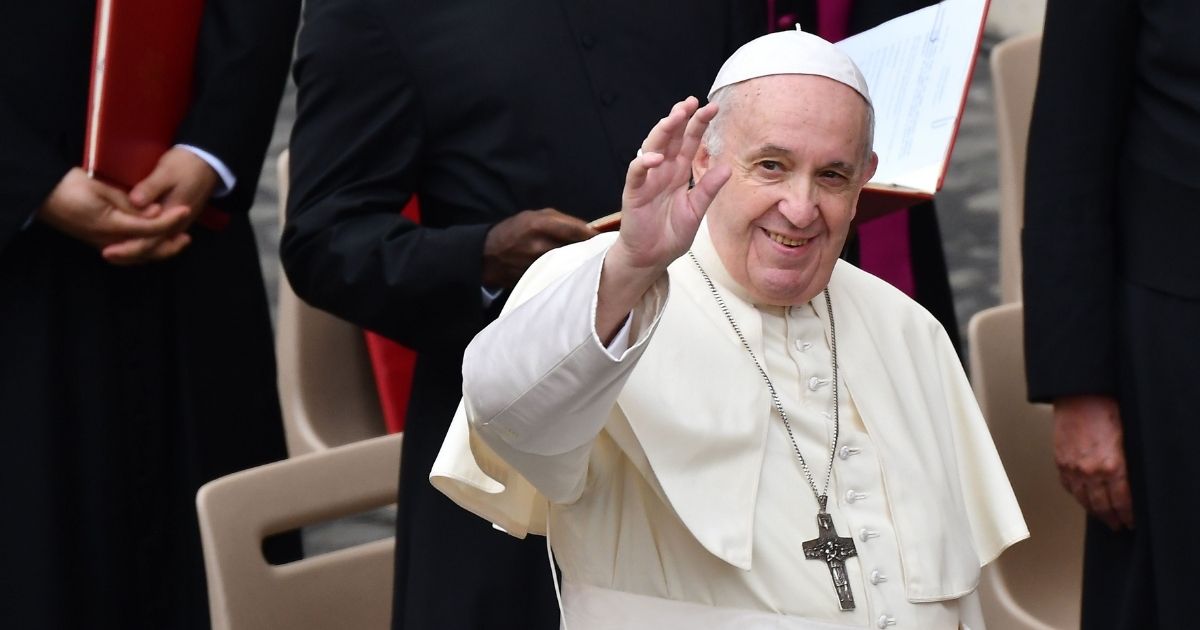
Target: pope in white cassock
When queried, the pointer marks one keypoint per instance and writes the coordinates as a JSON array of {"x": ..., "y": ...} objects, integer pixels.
[{"x": 716, "y": 422}]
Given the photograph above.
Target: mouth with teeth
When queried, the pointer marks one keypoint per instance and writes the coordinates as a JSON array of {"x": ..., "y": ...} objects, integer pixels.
[{"x": 785, "y": 241}]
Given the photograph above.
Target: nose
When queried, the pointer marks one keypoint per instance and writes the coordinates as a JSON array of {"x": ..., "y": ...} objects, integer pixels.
[{"x": 799, "y": 202}]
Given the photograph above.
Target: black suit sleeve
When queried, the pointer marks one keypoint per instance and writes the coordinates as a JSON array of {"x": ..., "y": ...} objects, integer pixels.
[
  {"x": 1068, "y": 241},
  {"x": 355, "y": 155},
  {"x": 241, "y": 65},
  {"x": 29, "y": 170}
]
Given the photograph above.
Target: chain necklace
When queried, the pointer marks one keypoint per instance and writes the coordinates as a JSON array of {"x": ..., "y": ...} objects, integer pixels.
[{"x": 828, "y": 546}]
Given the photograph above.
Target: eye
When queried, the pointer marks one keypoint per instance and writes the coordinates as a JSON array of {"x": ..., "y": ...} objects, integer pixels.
[
  {"x": 770, "y": 166},
  {"x": 833, "y": 178}
]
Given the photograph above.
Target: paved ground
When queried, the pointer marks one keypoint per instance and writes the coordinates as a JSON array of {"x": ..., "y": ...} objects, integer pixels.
[{"x": 967, "y": 210}]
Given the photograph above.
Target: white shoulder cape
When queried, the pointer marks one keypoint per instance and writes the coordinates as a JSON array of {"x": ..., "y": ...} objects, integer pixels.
[{"x": 950, "y": 499}]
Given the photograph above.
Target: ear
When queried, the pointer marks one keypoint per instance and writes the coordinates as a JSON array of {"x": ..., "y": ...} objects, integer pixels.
[
  {"x": 872, "y": 164},
  {"x": 701, "y": 163}
]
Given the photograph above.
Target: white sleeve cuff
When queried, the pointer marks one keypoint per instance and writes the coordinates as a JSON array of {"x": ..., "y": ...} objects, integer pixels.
[{"x": 228, "y": 181}]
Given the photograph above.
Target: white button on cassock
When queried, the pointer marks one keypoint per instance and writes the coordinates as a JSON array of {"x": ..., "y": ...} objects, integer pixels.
[
  {"x": 877, "y": 577},
  {"x": 815, "y": 383},
  {"x": 885, "y": 621},
  {"x": 803, "y": 346},
  {"x": 846, "y": 451},
  {"x": 865, "y": 534},
  {"x": 852, "y": 496}
]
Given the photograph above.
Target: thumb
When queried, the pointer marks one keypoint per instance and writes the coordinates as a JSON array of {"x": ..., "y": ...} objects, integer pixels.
[
  {"x": 150, "y": 189},
  {"x": 702, "y": 194}
]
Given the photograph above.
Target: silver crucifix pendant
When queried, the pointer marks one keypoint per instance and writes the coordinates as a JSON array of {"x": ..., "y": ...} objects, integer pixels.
[{"x": 834, "y": 550}]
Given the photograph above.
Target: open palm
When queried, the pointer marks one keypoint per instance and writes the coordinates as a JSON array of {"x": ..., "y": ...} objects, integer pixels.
[{"x": 659, "y": 214}]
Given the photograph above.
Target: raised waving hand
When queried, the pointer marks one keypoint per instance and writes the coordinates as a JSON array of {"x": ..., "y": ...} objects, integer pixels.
[{"x": 660, "y": 214}]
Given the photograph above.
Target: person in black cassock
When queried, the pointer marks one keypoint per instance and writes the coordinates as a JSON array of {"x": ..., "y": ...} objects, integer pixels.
[
  {"x": 513, "y": 122},
  {"x": 136, "y": 359},
  {"x": 1112, "y": 294}
]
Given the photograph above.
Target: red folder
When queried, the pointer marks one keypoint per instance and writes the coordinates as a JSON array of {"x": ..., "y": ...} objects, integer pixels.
[{"x": 142, "y": 60}]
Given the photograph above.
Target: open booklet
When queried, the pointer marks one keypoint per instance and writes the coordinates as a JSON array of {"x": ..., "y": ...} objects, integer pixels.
[{"x": 918, "y": 68}]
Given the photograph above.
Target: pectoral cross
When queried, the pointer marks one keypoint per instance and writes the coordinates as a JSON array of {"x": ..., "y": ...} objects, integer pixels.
[{"x": 834, "y": 550}]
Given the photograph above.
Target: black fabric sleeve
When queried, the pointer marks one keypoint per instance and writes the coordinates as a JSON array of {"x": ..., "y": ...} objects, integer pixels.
[
  {"x": 29, "y": 171},
  {"x": 355, "y": 154},
  {"x": 1068, "y": 242},
  {"x": 241, "y": 65}
]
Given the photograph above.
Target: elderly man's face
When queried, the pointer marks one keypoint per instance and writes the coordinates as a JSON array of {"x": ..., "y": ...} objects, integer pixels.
[{"x": 796, "y": 145}]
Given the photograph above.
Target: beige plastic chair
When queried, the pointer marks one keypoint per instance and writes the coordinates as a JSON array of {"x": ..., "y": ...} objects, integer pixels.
[
  {"x": 1014, "y": 77},
  {"x": 348, "y": 588},
  {"x": 326, "y": 384},
  {"x": 1036, "y": 584}
]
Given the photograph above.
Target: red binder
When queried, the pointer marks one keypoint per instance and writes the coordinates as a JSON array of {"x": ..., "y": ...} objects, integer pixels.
[{"x": 142, "y": 69}]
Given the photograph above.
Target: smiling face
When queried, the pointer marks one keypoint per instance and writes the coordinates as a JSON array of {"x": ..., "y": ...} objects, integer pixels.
[{"x": 797, "y": 145}]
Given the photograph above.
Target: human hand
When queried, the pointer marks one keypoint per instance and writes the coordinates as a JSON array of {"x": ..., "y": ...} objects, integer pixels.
[
  {"x": 181, "y": 180},
  {"x": 1090, "y": 455},
  {"x": 659, "y": 214},
  {"x": 103, "y": 216},
  {"x": 514, "y": 243}
]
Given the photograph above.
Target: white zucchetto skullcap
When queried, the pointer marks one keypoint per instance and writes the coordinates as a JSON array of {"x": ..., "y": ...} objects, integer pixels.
[{"x": 790, "y": 52}]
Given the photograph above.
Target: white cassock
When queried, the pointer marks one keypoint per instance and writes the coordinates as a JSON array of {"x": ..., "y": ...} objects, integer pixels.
[{"x": 667, "y": 480}]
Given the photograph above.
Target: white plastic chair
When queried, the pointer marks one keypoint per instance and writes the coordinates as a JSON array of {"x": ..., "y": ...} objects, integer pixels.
[
  {"x": 1014, "y": 66},
  {"x": 1035, "y": 585},
  {"x": 326, "y": 384},
  {"x": 347, "y": 588}
]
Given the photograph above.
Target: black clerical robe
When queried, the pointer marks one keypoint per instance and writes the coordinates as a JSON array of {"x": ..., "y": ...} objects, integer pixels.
[
  {"x": 1112, "y": 278},
  {"x": 482, "y": 109},
  {"x": 122, "y": 390}
]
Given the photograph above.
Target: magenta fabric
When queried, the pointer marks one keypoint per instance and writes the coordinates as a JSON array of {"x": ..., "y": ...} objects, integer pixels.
[
  {"x": 883, "y": 250},
  {"x": 833, "y": 19}
]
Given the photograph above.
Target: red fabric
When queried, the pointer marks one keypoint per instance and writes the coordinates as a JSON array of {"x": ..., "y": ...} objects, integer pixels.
[{"x": 393, "y": 363}]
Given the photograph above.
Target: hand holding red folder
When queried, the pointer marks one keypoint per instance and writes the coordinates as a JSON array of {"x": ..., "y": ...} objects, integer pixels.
[
  {"x": 180, "y": 182},
  {"x": 142, "y": 72}
]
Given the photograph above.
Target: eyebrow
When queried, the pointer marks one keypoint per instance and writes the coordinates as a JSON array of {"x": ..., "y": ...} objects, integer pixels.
[{"x": 771, "y": 149}]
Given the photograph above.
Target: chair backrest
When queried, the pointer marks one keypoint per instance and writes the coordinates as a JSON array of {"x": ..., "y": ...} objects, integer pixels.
[
  {"x": 1014, "y": 78},
  {"x": 348, "y": 588},
  {"x": 326, "y": 384},
  {"x": 1035, "y": 585}
]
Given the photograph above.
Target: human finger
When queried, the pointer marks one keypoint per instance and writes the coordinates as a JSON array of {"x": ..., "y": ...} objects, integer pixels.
[
  {"x": 1099, "y": 506},
  {"x": 639, "y": 169},
  {"x": 142, "y": 250},
  {"x": 127, "y": 226},
  {"x": 696, "y": 126},
  {"x": 701, "y": 195},
  {"x": 564, "y": 228},
  {"x": 170, "y": 246},
  {"x": 676, "y": 139},
  {"x": 130, "y": 252},
  {"x": 115, "y": 197},
  {"x": 1075, "y": 487},
  {"x": 1120, "y": 497},
  {"x": 659, "y": 138},
  {"x": 153, "y": 187}
]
